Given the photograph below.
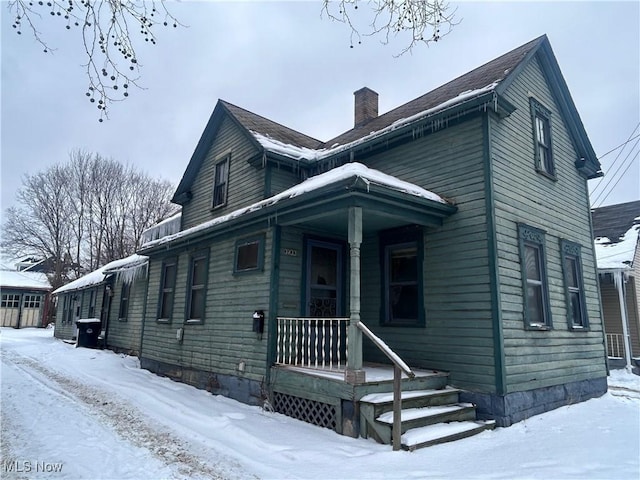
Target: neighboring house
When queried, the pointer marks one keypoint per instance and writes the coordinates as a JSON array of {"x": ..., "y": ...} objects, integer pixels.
[
  {"x": 453, "y": 230},
  {"x": 24, "y": 298},
  {"x": 616, "y": 228},
  {"x": 115, "y": 295}
]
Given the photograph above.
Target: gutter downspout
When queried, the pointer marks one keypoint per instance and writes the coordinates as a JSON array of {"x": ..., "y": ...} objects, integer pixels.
[{"x": 619, "y": 279}]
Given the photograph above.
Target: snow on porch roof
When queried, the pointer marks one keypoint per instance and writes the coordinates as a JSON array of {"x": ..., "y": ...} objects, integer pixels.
[
  {"x": 31, "y": 280},
  {"x": 98, "y": 276},
  {"x": 617, "y": 255},
  {"x": 349, "y": 170}
]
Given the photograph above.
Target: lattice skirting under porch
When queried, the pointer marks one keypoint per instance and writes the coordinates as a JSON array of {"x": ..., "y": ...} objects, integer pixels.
[{"x": 310, "y": 411}]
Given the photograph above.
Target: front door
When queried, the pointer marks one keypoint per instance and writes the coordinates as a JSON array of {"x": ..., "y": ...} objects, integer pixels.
[
  {"x": 324, "y": 279},
  {"x": 323, "y": 340}
]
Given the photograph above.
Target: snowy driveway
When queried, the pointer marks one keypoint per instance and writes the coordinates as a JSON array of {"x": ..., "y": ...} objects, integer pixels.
[{"x": 88, "y": 414}]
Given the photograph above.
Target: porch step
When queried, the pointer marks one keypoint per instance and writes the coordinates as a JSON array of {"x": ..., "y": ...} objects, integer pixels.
[
  {"x": 428, "y": 417},
  {"x": 443, "y": 432},
  {"x": 418, "y": 417}
]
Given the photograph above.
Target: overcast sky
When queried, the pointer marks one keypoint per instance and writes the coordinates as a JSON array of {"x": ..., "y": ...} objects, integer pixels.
[{"x": 283, "y": 61}]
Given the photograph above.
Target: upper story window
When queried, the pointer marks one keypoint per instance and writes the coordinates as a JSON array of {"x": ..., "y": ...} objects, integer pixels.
[
  {"x": 167, "y": 288},
  {"x": 197, "y": 288},
  {"x": 221, "y": 181},
  {"x": 402, "y": 277},
  {"x": 541, "y": 117},
  {"x": 574, "y": 287},
  {"x": 537, "y": 312}
]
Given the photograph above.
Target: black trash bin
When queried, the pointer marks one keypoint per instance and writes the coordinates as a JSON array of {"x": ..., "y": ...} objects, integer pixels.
[{"x": 88, "y": 332}]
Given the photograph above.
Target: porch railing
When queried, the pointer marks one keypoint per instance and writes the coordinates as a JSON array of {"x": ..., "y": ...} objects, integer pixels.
[
  {"x": 312, "y": 342},
  {"x": 615, "y": 345}
]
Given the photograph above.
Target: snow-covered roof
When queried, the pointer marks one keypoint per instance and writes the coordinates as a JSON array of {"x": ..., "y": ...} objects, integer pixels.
[
  {"x": 349, "y": 170},
  {"x": 97, "y": 276},
  {"x": 26, "y": 280},
  {"x": 618, "y": 254},
  {"x": 168, "y": 226},
  {"x": 302, "y": 153}
]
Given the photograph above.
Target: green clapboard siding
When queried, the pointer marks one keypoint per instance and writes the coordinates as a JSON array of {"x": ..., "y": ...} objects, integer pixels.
[
  {"x": 458, "y": 335},
  {"x": 225, "y": 338},
  {"x": 560, "y": 208},
  {"x": 246, "y": 183},
  {"x": 281, "y": 179},
  {"x": 124, "y": 333}
]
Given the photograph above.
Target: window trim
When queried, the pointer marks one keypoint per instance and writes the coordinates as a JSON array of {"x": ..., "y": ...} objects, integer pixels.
[
  {"x": 124, "y": 303},
  {"x": 224, "y": 158},
  {"x": 572, "y": 250},
  {"x": 91, "y": 311},
  {"x": 401, "y": 237},
  {"x": 200, "y": 254},
  {"x": 12, "y": 298},
  {"x": 166, "y": 262},
  {"x": 529, "y": 236},
  {"x": 260, "y": 240},
  {"x": 540, "y": 111}
]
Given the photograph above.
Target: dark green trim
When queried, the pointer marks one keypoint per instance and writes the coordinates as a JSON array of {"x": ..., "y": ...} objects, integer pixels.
[
  {"x": 535, "y": 238},
  {"x": 166, "y": 261},
  {"x": 573, "y": 250},
  {"x": 494, "y": 268},
  {"x": 144, "y": 310},
  {"x": 267, "y": 181},
  {"x": 260, "y": 261},
  {"x": 587, "y": 162},
  {"x": 196, "y": 255},
  {"x": 274, "y": 294},
  {"x": 411, "y": 234},
  {"x": 352, "y": 191},
  {"x": 538, "y": 110}
]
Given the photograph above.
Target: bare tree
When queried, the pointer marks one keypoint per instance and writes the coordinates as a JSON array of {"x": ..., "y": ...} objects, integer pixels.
[
  {"x": 84, "y": 213},
  {"x": 108, "y": 28},
  {"x": 419, "y": 21},
  {"x": 41, "y": 224}
]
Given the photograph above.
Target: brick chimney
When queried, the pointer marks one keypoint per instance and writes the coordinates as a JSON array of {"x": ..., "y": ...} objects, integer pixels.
[{"x": 366, "y": 106}]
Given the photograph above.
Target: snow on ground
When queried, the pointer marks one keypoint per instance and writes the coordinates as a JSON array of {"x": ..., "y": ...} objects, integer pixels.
[{"x": 77, "y": 413}]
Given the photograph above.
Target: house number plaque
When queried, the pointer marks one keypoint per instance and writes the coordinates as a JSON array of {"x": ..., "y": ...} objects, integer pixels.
[{"x": 290, "y": 252}]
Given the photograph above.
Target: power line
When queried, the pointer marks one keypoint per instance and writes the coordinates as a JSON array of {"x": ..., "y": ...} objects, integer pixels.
[
  {"x": 621, "y": 145},
  {"x": 593, "y": 191},
  {"x": 622, "y": 174}
]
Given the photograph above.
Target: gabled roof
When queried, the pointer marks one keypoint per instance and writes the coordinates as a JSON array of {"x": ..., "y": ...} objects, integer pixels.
[
  {"x": 490, "y": 73},
  {"x": 616, "y": 229},
  {"x": 133, "y": 263},
  {"x": 340, "y": 178},
  {"x": 24, "y": 280},
  {"x": 485, "y": 84}
]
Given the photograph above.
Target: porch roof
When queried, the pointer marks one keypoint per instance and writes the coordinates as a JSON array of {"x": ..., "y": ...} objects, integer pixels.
[{"x": 322, "y": 196}]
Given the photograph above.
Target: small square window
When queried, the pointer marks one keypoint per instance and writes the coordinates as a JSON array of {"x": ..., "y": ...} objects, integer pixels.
[
  {"x": 249, "y": 255},
  {"x": 543, "y": 152}
]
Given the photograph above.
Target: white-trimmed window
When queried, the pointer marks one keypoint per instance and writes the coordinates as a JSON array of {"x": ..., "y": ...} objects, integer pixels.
[{"x": 10, "y": 300}]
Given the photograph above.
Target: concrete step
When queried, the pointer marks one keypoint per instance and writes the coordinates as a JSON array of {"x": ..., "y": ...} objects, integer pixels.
[{"x": 443, "y": 432}]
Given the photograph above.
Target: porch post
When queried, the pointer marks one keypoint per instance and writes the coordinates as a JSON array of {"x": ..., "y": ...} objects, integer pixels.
[
  {"x": 354, "y": 373},
  {"x": 620, "y": 286}
]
